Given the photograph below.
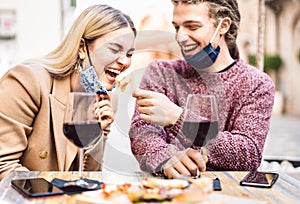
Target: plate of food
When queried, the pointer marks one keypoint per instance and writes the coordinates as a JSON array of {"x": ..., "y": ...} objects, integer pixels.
[
  {"x": 179, "y": 190},
  {"x": 153, "y": 189}
]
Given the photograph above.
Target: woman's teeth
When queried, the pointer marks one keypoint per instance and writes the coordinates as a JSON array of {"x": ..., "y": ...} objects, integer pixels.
[{"x": 113, "y": 71}]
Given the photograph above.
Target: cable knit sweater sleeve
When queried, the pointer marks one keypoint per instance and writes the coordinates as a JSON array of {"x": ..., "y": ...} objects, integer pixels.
[{"x": 245, "y": 98}]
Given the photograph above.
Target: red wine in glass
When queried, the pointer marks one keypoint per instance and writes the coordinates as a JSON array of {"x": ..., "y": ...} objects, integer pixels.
[
  {"x": 82, "y": 134},
  {"x": 82, "y": 128},
  {"x": 200, "y": 124},
  {"x": 200, "y": 132}
]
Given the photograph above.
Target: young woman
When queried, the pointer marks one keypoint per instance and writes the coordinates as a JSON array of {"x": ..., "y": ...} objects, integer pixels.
[
  {"x": 97, "y": 48},
  {"x": 206, "y": 31}
]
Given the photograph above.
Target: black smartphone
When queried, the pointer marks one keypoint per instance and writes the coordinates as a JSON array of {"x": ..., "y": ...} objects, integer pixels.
[
  {"x": 36, "y": 187},
  {"x": 259, "y": 179}
]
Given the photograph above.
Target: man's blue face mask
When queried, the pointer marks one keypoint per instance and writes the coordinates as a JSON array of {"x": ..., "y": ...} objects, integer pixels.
[{"x": 205, "y": 57}]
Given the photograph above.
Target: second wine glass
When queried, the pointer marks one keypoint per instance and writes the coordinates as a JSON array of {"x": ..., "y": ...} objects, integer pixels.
[
  {"x": 200, "y": 123},
  {"x": 82, "y": 128}
]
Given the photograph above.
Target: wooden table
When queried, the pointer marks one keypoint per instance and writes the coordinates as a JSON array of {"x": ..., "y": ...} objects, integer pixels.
[{"x": 285, "y": 190}]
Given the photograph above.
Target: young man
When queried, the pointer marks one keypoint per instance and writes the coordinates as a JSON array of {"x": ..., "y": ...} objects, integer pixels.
[{"x": 206, "y": 31}]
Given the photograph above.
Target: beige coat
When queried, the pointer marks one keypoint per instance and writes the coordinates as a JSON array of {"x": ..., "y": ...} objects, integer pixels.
[{"x": 31, "y": 124}]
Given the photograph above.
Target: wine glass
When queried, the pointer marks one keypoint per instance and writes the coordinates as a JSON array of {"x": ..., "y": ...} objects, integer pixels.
[
  {"x": 82, "y": 128},
  {"x": 200, "y": 123}
]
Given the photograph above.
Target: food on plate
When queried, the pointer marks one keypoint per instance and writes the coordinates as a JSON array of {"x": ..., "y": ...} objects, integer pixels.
[
  {"x": 153, "y": 189},
  {"x": 148, "y": 195},
  {"x": 166, "y": 183},
  {"x": 113, "y": 189},
  {"x": 178, "y": 190}
]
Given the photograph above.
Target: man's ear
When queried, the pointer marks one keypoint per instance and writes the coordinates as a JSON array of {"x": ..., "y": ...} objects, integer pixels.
[
  {"x": 225, "y": 25},
  {"x": 81, "y": 50}
]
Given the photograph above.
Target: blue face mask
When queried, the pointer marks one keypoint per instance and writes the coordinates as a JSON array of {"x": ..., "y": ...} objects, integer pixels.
[
  {"x": 205, "y": 57},
  {"x": 89, "y": 79}
]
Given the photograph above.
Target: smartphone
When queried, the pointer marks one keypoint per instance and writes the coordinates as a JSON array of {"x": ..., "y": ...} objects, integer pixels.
[
  {"x": 36, "y": 187},
  {"x": 259, "y": 179}
]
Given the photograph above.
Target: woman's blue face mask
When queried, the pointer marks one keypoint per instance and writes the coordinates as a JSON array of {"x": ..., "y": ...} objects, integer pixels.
[{"x": 89, "y": 79}]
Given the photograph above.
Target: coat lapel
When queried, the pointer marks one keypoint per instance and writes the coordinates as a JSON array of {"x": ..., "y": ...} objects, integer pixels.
[{"x": 65, "y": 150}]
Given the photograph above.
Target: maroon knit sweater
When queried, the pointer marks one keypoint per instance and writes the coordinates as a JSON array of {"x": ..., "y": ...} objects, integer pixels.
[{"x": 245, "y": 98}]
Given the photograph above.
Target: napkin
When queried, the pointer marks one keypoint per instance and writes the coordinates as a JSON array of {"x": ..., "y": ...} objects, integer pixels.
[{"x": 73, "y": 189}]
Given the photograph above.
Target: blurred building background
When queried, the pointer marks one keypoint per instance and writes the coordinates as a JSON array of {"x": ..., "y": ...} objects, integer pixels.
[{"x": 29, "y": 28}]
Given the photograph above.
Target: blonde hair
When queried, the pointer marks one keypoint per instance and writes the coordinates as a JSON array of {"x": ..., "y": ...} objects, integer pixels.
[
  {"x": 93, "y": 22},
  {"x": 219, "y": 9}
]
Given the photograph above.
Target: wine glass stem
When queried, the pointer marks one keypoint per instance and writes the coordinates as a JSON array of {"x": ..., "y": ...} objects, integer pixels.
[{"x": 80, "y": 162}]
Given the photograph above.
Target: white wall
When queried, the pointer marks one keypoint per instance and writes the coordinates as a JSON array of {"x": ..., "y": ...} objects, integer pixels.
[{"x": 38, "y": 30}]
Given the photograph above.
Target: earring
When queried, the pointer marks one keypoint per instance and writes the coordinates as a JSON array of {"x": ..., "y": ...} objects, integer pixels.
[{"x": 79, "y": 67}]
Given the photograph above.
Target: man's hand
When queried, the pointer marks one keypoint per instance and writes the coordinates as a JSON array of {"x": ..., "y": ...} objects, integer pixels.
[
  {"x": 156, "y": 108},
  {"x": 185, "y": 163}
]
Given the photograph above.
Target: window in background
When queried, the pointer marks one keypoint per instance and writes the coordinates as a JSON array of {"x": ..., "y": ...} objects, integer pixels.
[{"x": 7, "y": 39}]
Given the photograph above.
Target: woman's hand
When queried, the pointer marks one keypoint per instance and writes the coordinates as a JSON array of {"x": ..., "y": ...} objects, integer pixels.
[
  {"x": 103, "y": 110},
  {"x": 185, "y": 163},
  {"x": 156, "y": 108}
]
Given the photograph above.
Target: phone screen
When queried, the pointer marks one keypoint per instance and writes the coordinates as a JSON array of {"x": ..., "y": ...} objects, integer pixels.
[
  {"x": 259, "y": 179},
  {"x": 36, "y": 187}
]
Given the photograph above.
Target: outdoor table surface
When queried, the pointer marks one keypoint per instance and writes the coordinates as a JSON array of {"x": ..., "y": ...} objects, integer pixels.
[{"x": 285, "y": 190}]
